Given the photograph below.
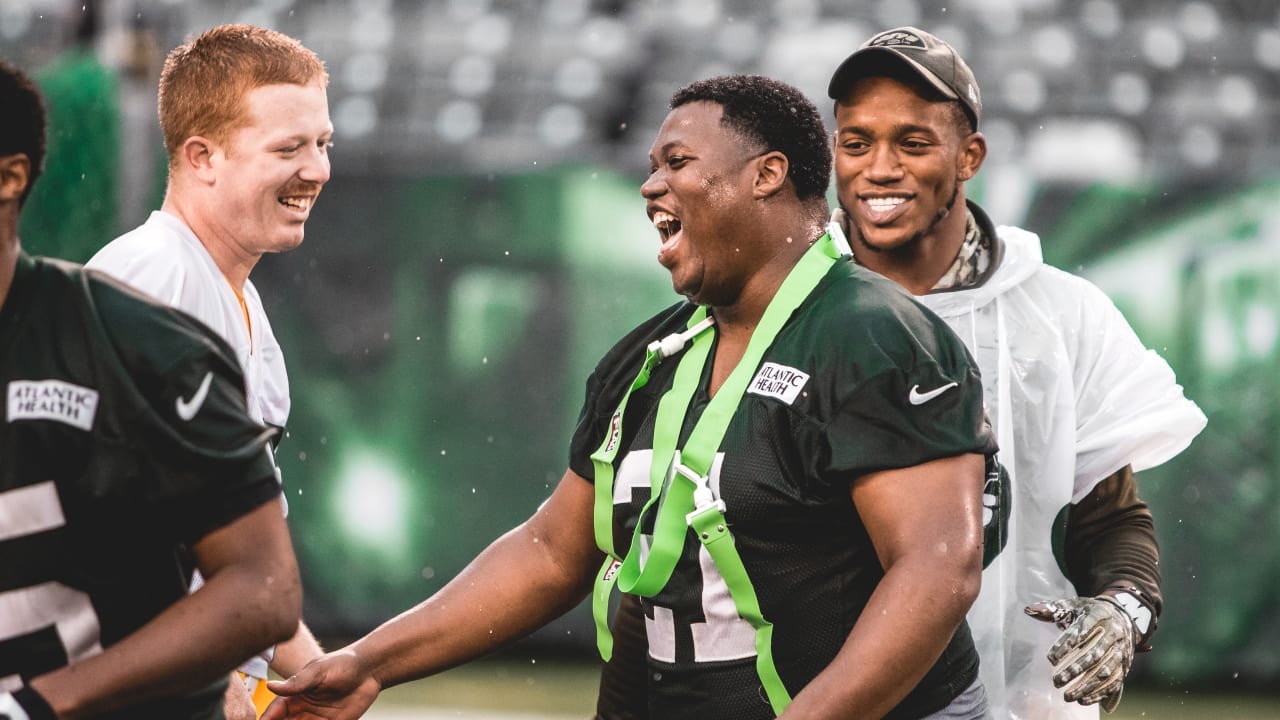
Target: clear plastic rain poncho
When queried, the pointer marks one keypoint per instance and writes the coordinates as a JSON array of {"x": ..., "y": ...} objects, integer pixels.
[{"x": 1074, "y": 396}]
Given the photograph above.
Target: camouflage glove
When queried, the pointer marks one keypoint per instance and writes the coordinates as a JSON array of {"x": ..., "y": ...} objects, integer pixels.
[{"x": 1093, "y": 654}]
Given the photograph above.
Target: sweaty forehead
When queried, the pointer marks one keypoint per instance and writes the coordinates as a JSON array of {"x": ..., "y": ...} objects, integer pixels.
[
  {"x": 690, "y": 119},
  {"x": 697, "y": 125}
]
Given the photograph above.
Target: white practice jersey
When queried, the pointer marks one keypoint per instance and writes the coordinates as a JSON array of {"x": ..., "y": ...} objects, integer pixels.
[{"x": 164, "y": 259}]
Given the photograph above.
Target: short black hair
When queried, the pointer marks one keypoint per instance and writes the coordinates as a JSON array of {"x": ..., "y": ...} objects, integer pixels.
[
  {"x": 775, "y": 115},
  {"x": 888, "y": 66},
  {"x": 22, "y": 123}
]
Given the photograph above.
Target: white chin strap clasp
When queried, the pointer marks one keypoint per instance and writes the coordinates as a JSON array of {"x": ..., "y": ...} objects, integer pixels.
[{"x": 675, "y": 342}]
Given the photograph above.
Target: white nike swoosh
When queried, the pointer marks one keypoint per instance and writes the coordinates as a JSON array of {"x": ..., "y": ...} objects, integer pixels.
[
  {"x": 187, "y": 409},
  {"x": 915, "y": 397}
]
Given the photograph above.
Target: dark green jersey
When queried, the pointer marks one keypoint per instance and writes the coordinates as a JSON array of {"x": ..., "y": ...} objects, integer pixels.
[
  {"x": 860, "y": 379},
  {"x": 125, "y": 439}
]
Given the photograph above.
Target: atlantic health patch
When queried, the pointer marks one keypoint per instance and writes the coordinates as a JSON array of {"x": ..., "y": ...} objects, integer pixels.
[
  {"x": 52, "y": 400},
  {"x": 778, "y": 381}
]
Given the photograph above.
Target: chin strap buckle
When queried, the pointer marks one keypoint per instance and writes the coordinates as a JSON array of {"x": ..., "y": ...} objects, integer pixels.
[{"x": 703, "y": 499}]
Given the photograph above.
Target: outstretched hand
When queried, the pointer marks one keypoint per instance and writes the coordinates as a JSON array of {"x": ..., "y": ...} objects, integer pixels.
[
  {"x": 331, "y": 687},
  {"x": 1093, "y": 654}
]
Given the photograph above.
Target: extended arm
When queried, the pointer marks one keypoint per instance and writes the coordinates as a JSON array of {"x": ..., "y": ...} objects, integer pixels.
[
  {"x": 524, "y": 579},
  {"x": 251, "y": 597},
  {"x": 926, "y": 523}
]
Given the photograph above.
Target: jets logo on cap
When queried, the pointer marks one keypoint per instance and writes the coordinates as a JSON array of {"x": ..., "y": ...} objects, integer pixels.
[{"x": 897, "y": 38}]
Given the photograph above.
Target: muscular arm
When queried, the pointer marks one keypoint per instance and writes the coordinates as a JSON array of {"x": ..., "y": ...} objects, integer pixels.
[
  {"x": 527, "y": 577},
  {"x": 521, "y": 581},
  {"x": 1110, "y": 541},
  {"x": 926, "y": 524},
  {"x": 251, "y": 598}
]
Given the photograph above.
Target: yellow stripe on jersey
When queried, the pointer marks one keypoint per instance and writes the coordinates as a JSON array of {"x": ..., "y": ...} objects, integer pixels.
[
  {"x": 244, "y": 308},
  {"x": 258, "y": 692},
  {"x": 262, "y": 697}
]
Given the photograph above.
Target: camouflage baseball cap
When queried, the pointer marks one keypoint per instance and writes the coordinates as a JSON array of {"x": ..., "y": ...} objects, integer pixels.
[{"x": 931, "y": 58}]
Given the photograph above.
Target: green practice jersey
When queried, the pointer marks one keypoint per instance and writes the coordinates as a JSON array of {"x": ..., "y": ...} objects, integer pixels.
[{"x": 125, "y": 440}]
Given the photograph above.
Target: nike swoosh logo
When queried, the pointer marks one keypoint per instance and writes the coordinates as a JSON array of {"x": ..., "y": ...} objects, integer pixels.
[
  {"x": 915, "y": 397},
  {"x": 187, "y": 409}
]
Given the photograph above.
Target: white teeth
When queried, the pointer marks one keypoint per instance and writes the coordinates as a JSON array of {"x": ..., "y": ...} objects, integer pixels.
[
  {"x": 885, "y": 203},
  {"x": 666, "y": 223},
  {"x": 297, "y": 203}
]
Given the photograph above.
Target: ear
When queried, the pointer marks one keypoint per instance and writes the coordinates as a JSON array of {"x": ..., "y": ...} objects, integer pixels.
[
  {"x": 15, "y": 174},
  {"x": 973, "y": 150},
  {"x": 771, "y": 173},
  {"x": 196, "y": 156}
]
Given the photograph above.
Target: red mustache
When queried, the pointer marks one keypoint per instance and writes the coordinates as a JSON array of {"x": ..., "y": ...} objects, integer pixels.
[{"x": 302, "y": 189}]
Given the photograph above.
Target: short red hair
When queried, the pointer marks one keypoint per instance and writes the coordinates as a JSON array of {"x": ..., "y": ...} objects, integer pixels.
[{"x": 205, "y": 80}]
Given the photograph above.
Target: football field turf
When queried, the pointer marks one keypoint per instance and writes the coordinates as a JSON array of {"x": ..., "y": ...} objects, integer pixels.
[{"x": 513, "y": 688}]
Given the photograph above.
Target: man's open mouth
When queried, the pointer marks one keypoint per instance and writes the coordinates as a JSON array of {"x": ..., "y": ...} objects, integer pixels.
[
  {"x": 297, "y": 202},
  {"x": 884, "y": 208},
  {"x": 668, "y": 225}
]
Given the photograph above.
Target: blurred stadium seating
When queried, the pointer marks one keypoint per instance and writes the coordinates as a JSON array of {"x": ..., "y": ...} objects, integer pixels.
[{"x": 1145, "y": 88}]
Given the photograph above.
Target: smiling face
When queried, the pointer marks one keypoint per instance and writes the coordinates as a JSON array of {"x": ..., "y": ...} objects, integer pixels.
[
  {"x": 900, "y": 163},
  {"x": 270, "y": 170},
  {"x": 698, "y": 192}
]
